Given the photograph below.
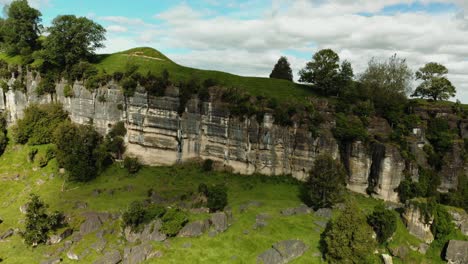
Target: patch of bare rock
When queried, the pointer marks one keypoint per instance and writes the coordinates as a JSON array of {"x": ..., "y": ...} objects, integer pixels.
[{"x": 283, "y": 252}]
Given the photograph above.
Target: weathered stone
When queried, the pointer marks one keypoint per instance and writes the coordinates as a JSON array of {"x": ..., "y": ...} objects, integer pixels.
[
  {"x": 324, "y": 213},
  {"x": 52, "y": 261},
  {"x": 194, "y": 229},
  {"x": 416, "y": 223},
  {"x": 137, "y": 254},
  {"x": 244, "y": 207},
  {"x": 80, "y": 205},
  {"x": 457, "y": 252},
  {"x": 91, "y": 224},
  {"x": 219, "y": 221},
  {"x": 111, "y": 257},
  {"x": 400, "y": 251},
  {"x": 288, "y": 211},
  {"x": 99, "y": 245},
  {"x": 23, "y": 209},
  {"x": 151, "y": 232},
  {"x": 7, "y": 234},
  {"x": 270, "y": 256},
  {"x": 422, "y": 248},
  {"x": 72, "y": 256},
  {"x": 290, "y": 249},
  {"x": 302, "y": 209},
  {"x": 387, "y": 259}
]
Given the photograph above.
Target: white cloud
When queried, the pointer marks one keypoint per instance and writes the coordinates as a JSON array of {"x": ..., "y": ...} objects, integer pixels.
[
  {"x": 34, "y": 3},
  {"x": 123, "y": 20},
  {"x": 116, "y": 28}
]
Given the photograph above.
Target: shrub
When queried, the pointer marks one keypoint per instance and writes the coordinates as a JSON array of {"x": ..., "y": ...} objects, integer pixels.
[
  {"x": 118, "y": 129},
  {"x": 47, "y": 85},
  {"x": 134, "y": 215},
  {"x": 19, "y": 86},
  {"x": 207, "y": 165},
  {"x": 349, "y": 128},
  {"x": 4, "y": 86},
  {"x": 38, "y": 223},
  {"x": 216, "y": 197},
  {"x": 129, "y": 86},
  {"x": 442, "y": 225},
  {"x": 173, "y": 221},
  {"x": 68, "y": 91},
  {"x": 42, "y": 161},
  {"x": 132, "y": 165},
  {"x": 384, "y": 223}
]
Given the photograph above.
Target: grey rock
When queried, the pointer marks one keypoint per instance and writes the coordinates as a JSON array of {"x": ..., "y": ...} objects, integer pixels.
[
  {"x": 270, "y": 256},
  {"x": 137, "y": 254},
  {"x": 290, "y": 249},
  {"x": 288, "y": 211},
  {"x": 300, "y": 210},
  {"x": 416, "y": 223},
  {"x": 194, "y": 229},
  {"x": 54, "y": 239},
  {"x": 457, "y": 252},
  {"x": 23, "y": 209},
  {"x": 72, "y": 256},
  {"x": 219, "y": 221},
  {"x": 260, "y": 221},
  {"x": 400, "y": 251},
  {"x": 52, "y": 261},
  {"x": 111, "y": 257},
  {"x": 7, "y": 234},
  {"x": 324, "y": 213},
  {"x": 387, "y": 259},
  {"x": 322, "y": 224},
  {"x": 66, "y": 233},
  {"x": 244, "y": 207},
  {"x": 212, "y": 233},
  {"x": 422, "y": 248},
  {"x": 151, "y": 232},
  {"x": 91, "y": 224},
  {"x": 99, "y": 245}
]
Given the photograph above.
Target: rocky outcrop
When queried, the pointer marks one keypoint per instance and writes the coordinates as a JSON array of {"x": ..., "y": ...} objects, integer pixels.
[
  {"x": 457, "y": 252},
  {"x": 159, "y": 135},
  {"x": 150, "y": 232},
  {"x": 417, "y": 224},
  {"x": 283, "y": 252}
]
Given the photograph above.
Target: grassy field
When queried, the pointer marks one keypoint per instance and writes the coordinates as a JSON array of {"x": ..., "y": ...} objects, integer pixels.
[{"x": 239, "y": 244}]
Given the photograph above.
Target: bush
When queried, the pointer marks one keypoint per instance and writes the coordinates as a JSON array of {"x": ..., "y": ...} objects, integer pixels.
[
  {"x": 207, "y": 165},
  {"x": 129, "y": 86},
  {"x": 384, "y": 223},
  {"x": 216, "y": 197},
  {"x": 134, "y": 215},
  {"x": 46, "y": 86},
  {"x": 38, "y": 223},
  {"x": 173, "y": 221},
  {"x": 349, "y": 129},
  {"x": 118, "y": 129},
  {"x": 132, "y": 165},
  {"x": 442, "y": 225},
  {"x": 38, "y": 124},
  {"x": 68, "y": 91},
  {"x": 19, "y": 86}
]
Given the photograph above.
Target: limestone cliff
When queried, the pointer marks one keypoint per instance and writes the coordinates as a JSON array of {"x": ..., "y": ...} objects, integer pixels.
[{"x": 158, "y": 135}]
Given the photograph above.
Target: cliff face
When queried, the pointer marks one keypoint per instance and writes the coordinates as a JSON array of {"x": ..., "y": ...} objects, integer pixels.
[{"x": 158, "y": 135}]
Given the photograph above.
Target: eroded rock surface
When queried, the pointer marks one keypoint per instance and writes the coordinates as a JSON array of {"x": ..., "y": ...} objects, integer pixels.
[{"x": 457, "y": 252}]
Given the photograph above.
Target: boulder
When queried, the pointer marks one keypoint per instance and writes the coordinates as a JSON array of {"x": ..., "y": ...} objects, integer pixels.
[
  {"x": 219, "y": 221},
  {"x": 7, "y": 234},
  {"x": 99, "y": 245},
  {"x": 137, "y": 254},
  {"x": 290, "y": 249},
  {"x": 270, "y": 256},
  {"x": 73, "y": 256},
  {"x": 300, "y": 210},
  {"x": 288, "y": 211},
  {"x": 151, "y": 232},
  {"x": 387, "y": 259},
  {"x": 194, "y": 229},
  {"x": 23, "y": 209},
  {"x": 111, "y": 257},
  {"x": 416, "y": 223},
  {"x": 400, "y": 251},
  {"x": 324, "y": 213},
  {"x": 80, "y": 205},
  {"x": 260, "y": 221},
  {"x": 283, "y": 252},
  {"x": 457, "y": 252},
  {"x": 247, "y": 205},
  {"x": 54, "y": 239},
  {"x": 93, "y": 222},
  {"x": 422, "y": 248}
]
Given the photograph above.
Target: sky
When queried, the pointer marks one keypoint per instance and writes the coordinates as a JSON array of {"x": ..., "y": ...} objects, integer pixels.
[{"x": 247, "y": 37}]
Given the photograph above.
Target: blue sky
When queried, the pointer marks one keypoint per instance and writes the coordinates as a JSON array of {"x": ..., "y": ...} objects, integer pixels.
[{"x": 247, "y": 37}]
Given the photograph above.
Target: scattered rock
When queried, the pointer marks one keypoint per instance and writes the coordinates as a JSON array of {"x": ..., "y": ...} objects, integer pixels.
[
  {"x": 129, "y": 188},
  {"x": 111, "y": 257},
  {"x": 201, "y": 210},
  {"x": 270, "y": 256},
  {"x": 187, "y": 245},
  {"x": 400, "y": 251},
  {"x": 283, "y": 252},
  {"x": 24, "y": 208},
  {"x": 54, "y": 239},
  {"x": 288, "y": 211},
  {"x": 93, "y": 222},
  {"x": 245, "y": 232},
  {"x": 247, "y": 205},
  {"x": 460, "y": 219},
  {"x": 52, "y": 261},
  {"x": 73, "y": 256},
  {"x": 194, "y": 229},
  {"x": 62, "y": 171},
  {"x": 260, "y": 221},
  {"x": 7, "y": 234},
  {"x": 457, "y": 252},
  {"x": 137, "y": 254},
  {"x": 151, "y": 232},
  {"x": 423, "y": 247},
  {"x": 290, "y": 249},
  {"x": 219, "y": 221},
  {"x": 80, "y": 205},
  {"x": 212, "y": 233},
  {"x": 99, "y": 245},
  {"x": 324, "y": 213},
  {"x": 301, "y": 210},
  {"x": 387, "y": 259},
  {"x": 322, "y": 224}
]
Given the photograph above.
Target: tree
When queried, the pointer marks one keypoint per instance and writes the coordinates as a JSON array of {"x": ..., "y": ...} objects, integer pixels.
[
  {"x": 322, "y": 71},
  {"x": 282, "y": 70},
  {"x": 77, "y": 147},
  {"x": 383, "y": 221},
  {"x": 21, "y": 29},
  {"x": 348, "y": 238},
  {"x": 326, "y": 182},
  {"x": 434, "y": 84},
  {"x": 72, "y": 39},
  {"x": 386, "y": 84}
]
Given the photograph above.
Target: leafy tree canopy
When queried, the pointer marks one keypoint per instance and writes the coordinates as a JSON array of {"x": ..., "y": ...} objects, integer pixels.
[
  {"x": 21, "y": 29},
  {"x": 282, "y": 70},
  {"x": 326, "y": 183},
  {"x": 72, "y": 39},
  {"x": 435, "y": 84}
]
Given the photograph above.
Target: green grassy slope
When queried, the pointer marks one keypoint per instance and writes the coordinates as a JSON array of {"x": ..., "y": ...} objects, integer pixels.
[{"x": 19, "y": 178}]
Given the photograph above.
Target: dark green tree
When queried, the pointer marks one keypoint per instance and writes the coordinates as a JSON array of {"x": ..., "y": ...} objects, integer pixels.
[
  {"x": 282, "y": 70},
  {"x": 348, "y": 238},
  {"x": 77, "y": 150},
  {"x": 326, "y": 183},
  {"x": 21, "y": 28},
  {"x": 434, "y": 84},
  {"x": 72, "y": 39},
  {"x": 383, "y": 221},
  {"x": 322, "y": 71}
]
